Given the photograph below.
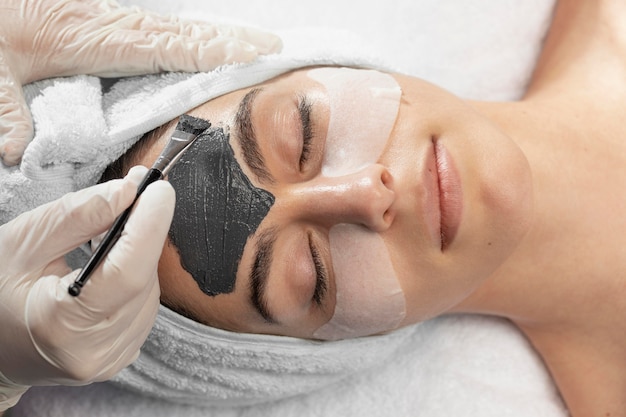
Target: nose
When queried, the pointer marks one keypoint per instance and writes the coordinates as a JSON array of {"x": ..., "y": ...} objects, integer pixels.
[{"x": 365, "y": 197}]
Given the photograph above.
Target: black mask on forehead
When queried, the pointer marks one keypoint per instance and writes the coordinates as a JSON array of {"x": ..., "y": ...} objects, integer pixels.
[{"x": 217, "y": 209}]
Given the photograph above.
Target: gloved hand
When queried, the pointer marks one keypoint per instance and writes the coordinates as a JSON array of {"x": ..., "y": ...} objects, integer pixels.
[
  {"x": 47, "y": 38},
  {"x": 49, "y": 337}
]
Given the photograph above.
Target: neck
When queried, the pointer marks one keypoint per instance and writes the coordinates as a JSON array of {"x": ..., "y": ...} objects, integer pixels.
[
  {"x": 564, "y": 284},
  {"x": 569, "y": 126},
  {"x": 572, "y": 199}
]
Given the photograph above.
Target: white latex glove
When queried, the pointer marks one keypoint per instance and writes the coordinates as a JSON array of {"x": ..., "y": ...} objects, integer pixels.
[
  {"x": 46, "y": 335},
  {"x": 47, "y": 38}
]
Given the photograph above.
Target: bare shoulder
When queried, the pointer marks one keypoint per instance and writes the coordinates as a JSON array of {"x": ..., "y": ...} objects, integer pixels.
[
  {"x": 589, "y": 368},
  {"x": 585, "y": 49}
]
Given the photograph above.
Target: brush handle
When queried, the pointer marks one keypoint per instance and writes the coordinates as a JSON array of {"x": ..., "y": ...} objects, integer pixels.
[{"x": 111, "y": 236}]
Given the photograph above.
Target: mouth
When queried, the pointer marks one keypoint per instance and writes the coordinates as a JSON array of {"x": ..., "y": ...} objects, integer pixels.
[{"x": 450, "y": 195}]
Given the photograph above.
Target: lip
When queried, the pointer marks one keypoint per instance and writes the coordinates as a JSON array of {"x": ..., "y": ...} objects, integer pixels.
[
  {"x": 450, "y": 195},
  {"x": 444, "y": 197}
]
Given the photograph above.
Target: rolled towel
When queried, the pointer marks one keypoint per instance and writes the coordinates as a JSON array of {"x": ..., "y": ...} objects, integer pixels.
[{"x": 190, "y": 363}]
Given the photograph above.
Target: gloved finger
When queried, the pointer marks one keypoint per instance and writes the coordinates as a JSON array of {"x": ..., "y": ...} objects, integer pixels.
[
  {"x": 58, "y": 267},
  {"x": 263, "y": 41},
  {"x": 52, "y": 230},
  {"x": 148, "y": 22},
  {"x": 130, "y": 266},
  {"x": 83, "y": 347},
  {"x": 157, "y": 52},
  {"x": 148, "y": 43},
  {"x": 16, "y": 125},
  {"x": 116, "y": 41},
  {"x": 133, "y": 331}
]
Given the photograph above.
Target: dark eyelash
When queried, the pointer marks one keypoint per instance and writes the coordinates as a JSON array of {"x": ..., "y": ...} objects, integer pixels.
[
  {"x": 304, "y": 108},
  {"x": 321, "y": 285}
]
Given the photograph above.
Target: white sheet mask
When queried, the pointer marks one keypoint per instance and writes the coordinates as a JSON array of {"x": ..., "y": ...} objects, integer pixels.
[{"x": 364, "y": 105}]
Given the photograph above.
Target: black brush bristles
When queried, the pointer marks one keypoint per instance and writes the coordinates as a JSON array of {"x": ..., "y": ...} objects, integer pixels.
[{"x": 193, "y": 125}]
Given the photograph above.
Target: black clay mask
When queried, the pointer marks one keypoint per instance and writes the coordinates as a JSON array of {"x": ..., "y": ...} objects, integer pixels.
[{"x": 217, "y": 209}]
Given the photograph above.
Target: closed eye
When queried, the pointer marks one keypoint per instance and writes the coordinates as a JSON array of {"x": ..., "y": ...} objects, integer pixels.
[
  {"x": 304, "y": 109},
  {"x": 321, "y": 276}
]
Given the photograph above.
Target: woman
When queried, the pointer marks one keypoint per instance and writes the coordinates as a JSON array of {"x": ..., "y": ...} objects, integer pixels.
[{"x": 495, "y": 208}]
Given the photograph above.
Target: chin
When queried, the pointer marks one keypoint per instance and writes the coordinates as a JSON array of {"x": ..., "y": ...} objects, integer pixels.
[
  {"x": 507, "y": 195},
  {"x": 497, "y": 214}
]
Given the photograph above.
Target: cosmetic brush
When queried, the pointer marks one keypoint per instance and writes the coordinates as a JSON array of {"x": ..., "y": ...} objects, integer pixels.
[{"x": 187, "y": 131}]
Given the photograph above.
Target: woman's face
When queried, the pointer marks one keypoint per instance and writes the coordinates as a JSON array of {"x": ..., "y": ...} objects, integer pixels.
[{"x": 388, "y": 209}]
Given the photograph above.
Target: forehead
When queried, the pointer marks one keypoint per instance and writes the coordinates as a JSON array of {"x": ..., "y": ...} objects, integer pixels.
[
  {"x": 221, "y": 111},
  {"x": 223, "y": 108}
]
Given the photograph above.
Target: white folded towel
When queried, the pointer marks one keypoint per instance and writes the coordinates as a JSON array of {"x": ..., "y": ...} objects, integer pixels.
[
  {"x": 189, "y": 363},
  {"x": 468, "y": 366},
  {"x": 70, "y": 135}
]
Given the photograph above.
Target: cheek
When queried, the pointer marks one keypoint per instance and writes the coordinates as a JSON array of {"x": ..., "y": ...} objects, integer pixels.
[
  {"x": 369, "y": 299},
  {"x": 505, "y": 190},
  {"x": 179, "y": 291},
  {"x": 434, "y": 290}
]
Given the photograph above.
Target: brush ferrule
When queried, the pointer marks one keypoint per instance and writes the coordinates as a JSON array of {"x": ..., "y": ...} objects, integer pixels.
[{"x": 173, "y": 150}]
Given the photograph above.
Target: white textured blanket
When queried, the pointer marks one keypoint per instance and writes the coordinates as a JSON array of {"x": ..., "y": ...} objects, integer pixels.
[
  {"x": 457, "y": 365},
  {"x": 454, "y": 366}
]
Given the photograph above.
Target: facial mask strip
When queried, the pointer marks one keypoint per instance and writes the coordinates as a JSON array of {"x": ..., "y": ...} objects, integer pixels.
[
  {"x": 369, "y": 297},
  {"x": 363, "y": 108}
]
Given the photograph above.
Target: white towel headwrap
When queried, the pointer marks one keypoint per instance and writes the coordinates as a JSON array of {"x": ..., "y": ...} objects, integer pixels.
[{"x": 187, "y": 362}]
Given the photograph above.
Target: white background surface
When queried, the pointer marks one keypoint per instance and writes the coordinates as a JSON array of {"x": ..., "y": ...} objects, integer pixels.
[{"x": 478, "y": 49}]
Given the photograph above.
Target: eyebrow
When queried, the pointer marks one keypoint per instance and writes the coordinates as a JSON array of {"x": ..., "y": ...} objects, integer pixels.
[
  {"x": 247, "y": 138},
  {"x": 260, "y": 273}
]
